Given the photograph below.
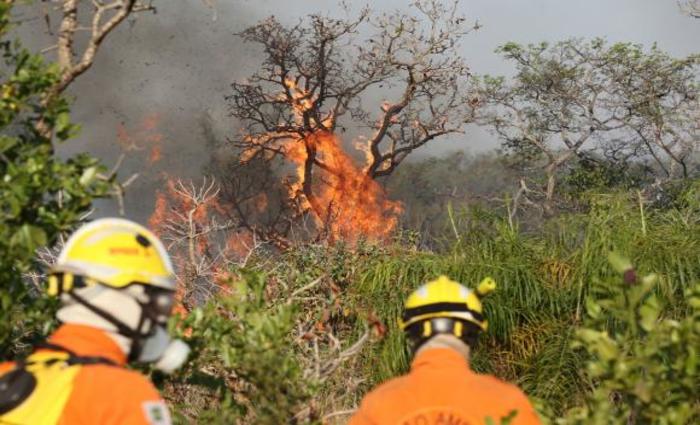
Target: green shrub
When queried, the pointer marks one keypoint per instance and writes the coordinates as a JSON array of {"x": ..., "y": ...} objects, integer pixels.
[
  {"x": 544, "y": 278},
  {"x": 643, "y": 361},
  {"x": 244, "y": 360},
  {"x": 263, "y": 350},
  {"x": 41, "y": 195}
]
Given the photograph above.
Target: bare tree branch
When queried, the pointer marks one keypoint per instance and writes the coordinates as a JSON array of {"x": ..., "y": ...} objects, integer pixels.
[
  {"x": 314, "y": 79},
  {"x": 105, "y": 17}
]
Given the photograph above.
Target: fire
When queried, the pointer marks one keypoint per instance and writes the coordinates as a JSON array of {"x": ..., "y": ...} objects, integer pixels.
[
  {"x": 157, "y": 219},
  {"x": 187, "y": 219},
  {"x": 145, "y": 136},
  {"x": 346, "y": 202},
  {"x": 156, "y": 155},
  {"x": 174, "y": 204},
  {"x": 240, "y": 243}
]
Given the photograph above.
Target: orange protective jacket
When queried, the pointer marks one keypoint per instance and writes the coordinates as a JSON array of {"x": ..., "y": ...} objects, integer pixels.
[
  {"x": 105, "y": 394},
  {"x": 442, "y": 389}
]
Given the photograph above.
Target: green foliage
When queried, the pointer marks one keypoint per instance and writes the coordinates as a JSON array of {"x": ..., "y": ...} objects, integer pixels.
[
  {"x": 615, "y": 115},
  {"x": 244, "y": 346},
  {"x": 41, "y": 195},
  {"x": 643, "y": 362},
  {"x": 272, "y": 347},
  {"x": 543, "y": 281},
  {"x": 599, "y": 174},
  {"x": 425, "y": 187}
]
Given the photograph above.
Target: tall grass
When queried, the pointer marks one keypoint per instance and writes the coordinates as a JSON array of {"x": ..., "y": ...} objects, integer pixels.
[
  {"x": 544, "y": 274},
  {"x": 543, "y": 278}
]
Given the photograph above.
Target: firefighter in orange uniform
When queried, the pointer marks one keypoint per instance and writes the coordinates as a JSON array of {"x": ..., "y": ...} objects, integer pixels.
[
  {"x": 117, "y": 286},
  {"x": 443, "y": 319}
]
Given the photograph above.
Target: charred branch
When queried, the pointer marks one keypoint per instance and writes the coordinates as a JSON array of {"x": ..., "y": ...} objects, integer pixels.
[{"x": 317, "y": 73}]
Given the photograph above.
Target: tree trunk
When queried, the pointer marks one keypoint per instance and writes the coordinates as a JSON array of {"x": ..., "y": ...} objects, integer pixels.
[{"x": 551, "y": 171}]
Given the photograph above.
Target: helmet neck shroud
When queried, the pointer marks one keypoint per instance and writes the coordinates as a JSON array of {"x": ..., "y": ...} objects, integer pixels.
[
  {"x": 150, "y": 316},
  {"x": 115, "y": 275}
]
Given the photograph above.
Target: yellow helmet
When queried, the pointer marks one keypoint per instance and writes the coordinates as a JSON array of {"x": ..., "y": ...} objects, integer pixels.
[
  {"x": 113, "y": 252},
  {"x": 444, "y": 298}
]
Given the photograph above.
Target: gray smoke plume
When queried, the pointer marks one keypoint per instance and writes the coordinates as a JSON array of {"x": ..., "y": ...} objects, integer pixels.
[{"x": 163, "y": 75}]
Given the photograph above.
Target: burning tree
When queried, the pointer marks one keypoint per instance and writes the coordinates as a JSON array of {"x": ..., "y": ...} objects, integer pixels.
[
  {"x": 205, "y": 245},
  {"x": 394, "y": 81}
]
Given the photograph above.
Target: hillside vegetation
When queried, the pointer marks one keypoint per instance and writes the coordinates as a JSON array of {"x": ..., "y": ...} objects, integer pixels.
[{"x": 280, "y": 355}]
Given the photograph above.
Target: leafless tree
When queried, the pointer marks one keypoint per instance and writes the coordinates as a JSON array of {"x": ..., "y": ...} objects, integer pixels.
[
  {"x": 101, "y": 17},
  {"x": 80, "y": 27},
  {"x": 197, "y": 237},
  {"x": 589, "y": 99},
  {"x": 324, "y": 76}
]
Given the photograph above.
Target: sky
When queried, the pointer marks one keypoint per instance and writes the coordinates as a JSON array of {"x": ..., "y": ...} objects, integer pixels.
[{"x": 172, "y": 69}]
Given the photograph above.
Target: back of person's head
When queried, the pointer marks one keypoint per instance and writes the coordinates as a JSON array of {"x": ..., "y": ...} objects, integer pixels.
[
  {"x": 445, "y": 313},
  {"x": 115, "y": 275}
]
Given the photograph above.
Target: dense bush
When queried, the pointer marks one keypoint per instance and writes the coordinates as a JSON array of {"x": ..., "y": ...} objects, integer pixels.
[
  {"x": 317, "y": 294},
  {"x": 643, "y": 361},
  {"x": 244, "y": 359},
  {"x": 41, "y": 195}
]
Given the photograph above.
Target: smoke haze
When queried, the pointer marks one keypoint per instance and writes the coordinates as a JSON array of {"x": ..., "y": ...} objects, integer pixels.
[{"x": 171, "y": 70}]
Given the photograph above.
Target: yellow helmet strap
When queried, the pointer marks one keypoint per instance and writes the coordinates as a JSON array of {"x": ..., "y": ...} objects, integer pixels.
[
  {"x": 60, "y": 283},
  {"x": 435, "y": 308},
  {"x": 420, "y": 332}
]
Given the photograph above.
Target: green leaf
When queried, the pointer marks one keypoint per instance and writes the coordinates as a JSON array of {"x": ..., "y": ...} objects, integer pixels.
[
  {"x": 88, "y": 175},
  {"x": 62, "y": 125},
  {"x": 593, "y": 308},
  {"x": 7, "y": 143},
  {"x": 649, "y": 313},
  {"x": 607, "y": 349},
  {"x": 29, "y": 237},
  {"x": 619, "y": 263},
  {"x": 643, "y": 391},
  {"x": 691, "y": 363},
  {"x": 650, "y": 280}
]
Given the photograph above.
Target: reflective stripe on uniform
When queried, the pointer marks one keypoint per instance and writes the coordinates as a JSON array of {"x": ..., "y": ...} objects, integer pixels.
[{"x": 54, "y": 384}]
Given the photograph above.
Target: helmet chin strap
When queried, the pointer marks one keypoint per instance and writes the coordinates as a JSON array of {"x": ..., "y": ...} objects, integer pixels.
[{"x": 136, "y": 336}]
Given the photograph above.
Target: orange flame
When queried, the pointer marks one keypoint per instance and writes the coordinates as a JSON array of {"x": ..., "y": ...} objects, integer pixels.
[
  {"x": 160, "y": 213},
  {"x": 240, "y": 243},
  {"x": 348, "y": 203},
  {"x": 146, "y": 134},
  {"x": 172, "y": 204},
  {"x": 156, "y": 155},
  {"x": 172, "y": 213}
]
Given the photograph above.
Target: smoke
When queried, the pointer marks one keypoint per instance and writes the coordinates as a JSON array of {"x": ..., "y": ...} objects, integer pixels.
[
  {"x": 166, "y": 73},
  {"x": 175, "y": 67},
  {"x": 155, "y": 78}
]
